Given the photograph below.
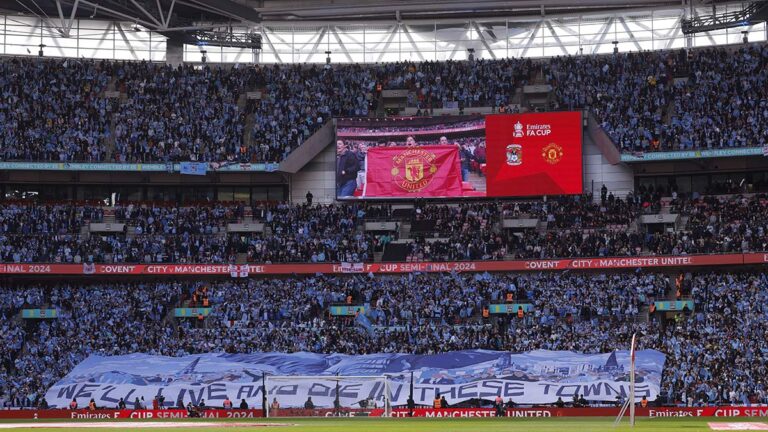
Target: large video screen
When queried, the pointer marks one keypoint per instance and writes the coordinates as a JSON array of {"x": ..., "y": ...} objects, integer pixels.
[{"x": 504, "y": 155}]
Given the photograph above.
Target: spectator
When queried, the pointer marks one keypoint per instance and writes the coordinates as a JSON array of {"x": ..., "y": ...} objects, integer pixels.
[
  {"x": 347, "y": 167},
  {"x": 570, "y": 311}
]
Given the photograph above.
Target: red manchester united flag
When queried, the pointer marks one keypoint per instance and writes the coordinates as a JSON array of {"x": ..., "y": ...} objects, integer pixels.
[{"x": 422, "y": 171}]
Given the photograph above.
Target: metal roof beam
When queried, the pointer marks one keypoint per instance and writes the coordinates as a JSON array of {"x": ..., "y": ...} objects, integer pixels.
[
  {"x": 341, "y": 44},
  {"x": 413, "y": 44},
  {"x": 629, "y": 32},
  {"x": 229, "y": 9},
  {"x": 44, "y": 19},
  {"x": 483, "y": 41},
  {"x": 603, "y": 33},
  {"x": 557, "y": 37},
  {"x": 114, "y": 13},
  {"x": 339, "y": 8},
  {"x": 170, "y": 13},
  {"x": 265, "y": 36},
  {"x": 147, "y": 14},
  {"x": 531, "y": 38},
  {"x": 388, "y": 43}
]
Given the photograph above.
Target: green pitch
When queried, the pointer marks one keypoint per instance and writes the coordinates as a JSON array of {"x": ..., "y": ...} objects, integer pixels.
[{"x": 430, "y": 425}]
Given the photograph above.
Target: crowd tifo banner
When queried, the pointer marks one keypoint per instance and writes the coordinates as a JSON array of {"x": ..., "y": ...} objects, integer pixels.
[
  {"x": 536, "y": 377},
  {"x": 424, "y": 171},
  {"x": 534, "y": 154},
  {"x": 388, "y": 268}
]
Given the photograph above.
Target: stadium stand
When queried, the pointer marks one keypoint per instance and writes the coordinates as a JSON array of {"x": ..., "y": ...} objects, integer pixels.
[
  {"x": 567, "y": 227},
  {"x": 650, "y": 101},
  {"x": 260, "y": 243},
  {"x": 581, "y": 312},
  {"x": 663, "y": 101}
]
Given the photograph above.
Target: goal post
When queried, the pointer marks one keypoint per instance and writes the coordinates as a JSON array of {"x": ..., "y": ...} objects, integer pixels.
[
  {"x": 327, "y": 396},
  {"x": 630, "y": 402}
]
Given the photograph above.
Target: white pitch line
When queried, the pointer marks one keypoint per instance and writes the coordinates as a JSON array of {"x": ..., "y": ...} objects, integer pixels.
[{"x": 738, "y": 426}]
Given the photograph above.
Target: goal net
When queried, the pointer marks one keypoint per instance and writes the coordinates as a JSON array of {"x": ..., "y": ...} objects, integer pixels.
[{"x": 327, "y": 396}]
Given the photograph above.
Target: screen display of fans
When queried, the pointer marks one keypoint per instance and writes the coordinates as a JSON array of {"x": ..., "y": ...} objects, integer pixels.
[{"x": 503, "y": 155}]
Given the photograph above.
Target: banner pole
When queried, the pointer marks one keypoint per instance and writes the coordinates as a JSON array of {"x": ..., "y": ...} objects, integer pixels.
[
  {"x": 264, "y": 400},
  {"x": 632, "y": 383},
  {"x": 410, "y": 398},
  {"x": 387, "y": 401}
]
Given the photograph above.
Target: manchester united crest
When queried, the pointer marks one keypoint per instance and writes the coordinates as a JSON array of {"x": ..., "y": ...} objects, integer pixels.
[
  {"x": 514, "y": 154},
  {"x": 552, "y": 153},
  {"x": 413, "y": 169}
]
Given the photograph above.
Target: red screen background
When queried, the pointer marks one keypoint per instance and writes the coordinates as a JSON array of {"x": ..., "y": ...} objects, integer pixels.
[{"x": 549, "y": 154}]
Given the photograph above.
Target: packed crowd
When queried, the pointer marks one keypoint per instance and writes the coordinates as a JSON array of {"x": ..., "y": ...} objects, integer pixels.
[
  {"x": 104, "y": 319},
  {"x": 576, "y": 228},
  {"x": 462, "y": 84},
  {"x": 298, "y": 100},
  {"x": 25, "y": 218},
  {"x": 648, "y": 101},
  {"x": 454, "y": 233},
  {"x": 452, "y": 302},
  {"x": 562, "y": 227},
  {"x": 204, "y": 218},
  {"x": 720, "y": 354},
  {"x": 115, "y": 248},
  {"x": 12, "y": 337},
  {"x": 724, "y": 102},
  {"x": 198, "y": 114},
  {"x": 470, "y": 231},
  {"x": 157, "y": 233},
  {"x": 291, "y": 315},
  {"x": 195, "y": 116},
  {"x": 716, "y": 225},
  {"x": 304, "y": 233},
  {"x": 710, "y": 357},
  {"x": 670, "y": 100},
  {"x": 573, "y": 243},
  {"x": 54, "y": 110}
]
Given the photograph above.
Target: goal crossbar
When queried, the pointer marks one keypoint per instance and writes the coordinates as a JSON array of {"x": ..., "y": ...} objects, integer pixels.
[{"x": 337, "y": 394}]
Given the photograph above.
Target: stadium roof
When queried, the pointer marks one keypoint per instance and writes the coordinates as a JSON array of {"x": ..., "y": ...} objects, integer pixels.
[
  {"x": 167, "y": 16},
  {"x": 172, "y": 18},
  {"x": 241, "y": 23},
  {"x": 357, "y": 10}
]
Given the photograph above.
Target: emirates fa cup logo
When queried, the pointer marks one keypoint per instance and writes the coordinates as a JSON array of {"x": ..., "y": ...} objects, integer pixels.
[{"x": 518, "y": 130}]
